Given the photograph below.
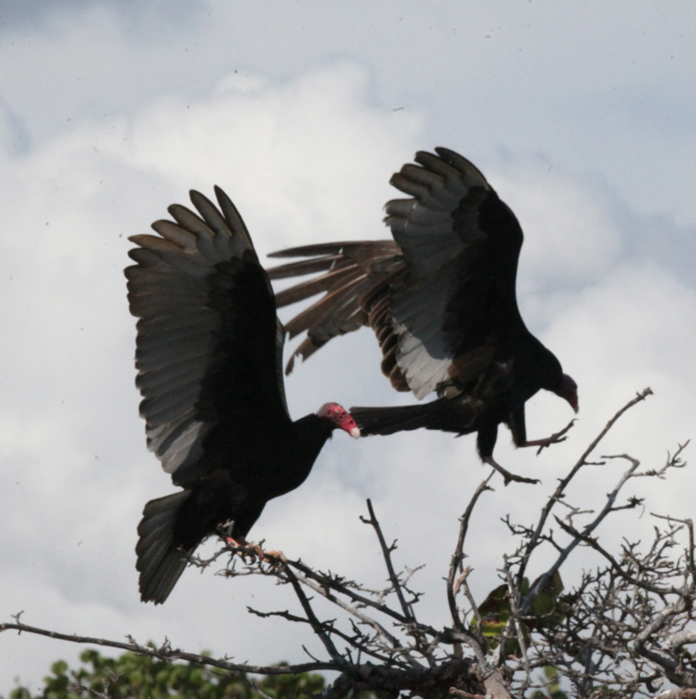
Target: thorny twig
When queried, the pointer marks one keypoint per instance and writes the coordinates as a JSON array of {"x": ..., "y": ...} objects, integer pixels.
[
  {"x": 386, "y": 552},
  {"x": 563, "y": 484},
  {"x": 458, "y": 555},
  {"x": 611, "y": 499},
  {"x": 317, "y": 626},
  {"x": 166, "y": 652}
]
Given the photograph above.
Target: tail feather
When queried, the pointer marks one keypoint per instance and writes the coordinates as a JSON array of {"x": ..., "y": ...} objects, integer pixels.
[
  {"x": 348, "y": 272},
  {"x": 160, "y": 560}
]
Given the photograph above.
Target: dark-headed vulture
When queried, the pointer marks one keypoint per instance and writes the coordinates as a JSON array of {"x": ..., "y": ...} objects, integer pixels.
[
  {"x": 441, "y": 300},
  {"x": 209, "y": 360}
]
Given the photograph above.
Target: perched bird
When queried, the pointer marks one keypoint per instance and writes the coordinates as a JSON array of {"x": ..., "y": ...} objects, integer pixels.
[
  {"x": 209, "y": 359},
  {"x": 441, "y": 300}
]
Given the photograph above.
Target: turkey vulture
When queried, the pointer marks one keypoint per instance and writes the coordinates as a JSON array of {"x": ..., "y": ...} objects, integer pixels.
[
  {"x": 441, "y": 300},
  {"x": 209, "y": 360}
]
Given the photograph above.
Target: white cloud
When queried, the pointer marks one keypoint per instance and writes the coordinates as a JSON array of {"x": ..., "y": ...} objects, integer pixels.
[
  {"x": 294, "y": 156},
  {"x": 573, "y": 238},
  {"x": 293, "y": 148}
]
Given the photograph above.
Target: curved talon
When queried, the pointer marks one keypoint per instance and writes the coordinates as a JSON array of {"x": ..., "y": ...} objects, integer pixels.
[
  {"x": 555, "y": 438},
  {"x": 544, "y": 443}
]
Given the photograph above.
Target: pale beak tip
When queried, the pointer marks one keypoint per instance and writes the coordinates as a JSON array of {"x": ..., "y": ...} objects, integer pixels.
[{"x": 355, "y": 433}]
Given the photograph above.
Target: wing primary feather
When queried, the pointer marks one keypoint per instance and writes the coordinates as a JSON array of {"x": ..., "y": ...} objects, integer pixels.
[
  {"x": 466, "y": 167},
  {"x": 212, "y": 217},
  {"x": 233, "y": 218}
]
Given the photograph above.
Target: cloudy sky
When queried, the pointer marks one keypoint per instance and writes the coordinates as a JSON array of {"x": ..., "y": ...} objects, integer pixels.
[{"x": 581, "y": 115}]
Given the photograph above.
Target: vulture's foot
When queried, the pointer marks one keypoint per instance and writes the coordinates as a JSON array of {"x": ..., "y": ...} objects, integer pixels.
[
  {"x": 507, "y": 475},
  {"x": 241, "y": 546},
  {"x": 553, "y": 439},
  {"x": 275, "y": 558},
  {"x": 244, "y": 548}
]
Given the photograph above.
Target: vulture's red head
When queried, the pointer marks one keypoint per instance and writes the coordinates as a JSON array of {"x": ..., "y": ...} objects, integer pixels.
[
  {"x": 569, "y": 391},
  {"x": 339, "y": 417}
]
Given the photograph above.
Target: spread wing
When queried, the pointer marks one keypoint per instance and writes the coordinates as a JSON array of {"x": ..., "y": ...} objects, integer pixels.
[
  {"x": 442, "y": 299},
  {"x": 455, "y": 306},
  {"x": 209, "y": 345}
]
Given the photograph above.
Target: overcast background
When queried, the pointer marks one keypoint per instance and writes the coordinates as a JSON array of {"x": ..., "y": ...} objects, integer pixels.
[{"x": 581, "y": 115}]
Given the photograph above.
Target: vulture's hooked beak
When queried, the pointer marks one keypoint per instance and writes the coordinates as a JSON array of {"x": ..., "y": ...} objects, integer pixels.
[{"x": 569, "y": 391}]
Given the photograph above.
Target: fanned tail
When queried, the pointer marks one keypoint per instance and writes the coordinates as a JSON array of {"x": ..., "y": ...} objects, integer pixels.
[{"x": 160, "y": 560}]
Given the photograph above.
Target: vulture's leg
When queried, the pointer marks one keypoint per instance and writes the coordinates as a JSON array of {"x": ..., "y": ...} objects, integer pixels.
[
  {"x": 506, "y": 474},
  {"x": 553, "y": 439}
]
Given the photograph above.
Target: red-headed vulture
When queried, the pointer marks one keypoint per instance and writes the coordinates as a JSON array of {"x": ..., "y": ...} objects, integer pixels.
[{"x": 209, "y": 359}]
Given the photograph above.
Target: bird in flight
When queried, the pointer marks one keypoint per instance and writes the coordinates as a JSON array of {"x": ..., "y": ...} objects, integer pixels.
[{"x": 441, "y": 300}]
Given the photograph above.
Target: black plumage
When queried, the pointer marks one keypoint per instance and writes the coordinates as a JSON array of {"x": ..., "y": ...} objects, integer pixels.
[
  {"x": 209, "y": 359},
  {"x": 441, "y": 299}
]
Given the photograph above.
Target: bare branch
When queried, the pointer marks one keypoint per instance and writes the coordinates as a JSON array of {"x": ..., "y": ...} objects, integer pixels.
[
  {"x": 386, "y": 552},
  {"x": 165, "y": 652},
  {"x": 563, "y": 483},
  {"x": 330, "y": 583},
  {"x": 580, "y": 536},
  {"x": 611, "y": 499},
  {"x": 317, "y": 626},
  {"x": 458, "y": 555}
]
